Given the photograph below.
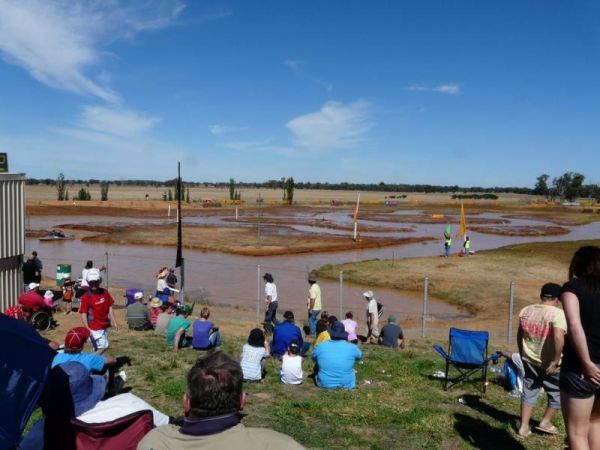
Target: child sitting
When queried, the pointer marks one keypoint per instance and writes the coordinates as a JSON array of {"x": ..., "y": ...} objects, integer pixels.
[
  {"x": 291, "y": 369},
  {"x": 253, "y": 356}
]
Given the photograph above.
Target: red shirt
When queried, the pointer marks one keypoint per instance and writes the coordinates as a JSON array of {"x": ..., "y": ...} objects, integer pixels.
[
  {"x": 96, "y": 305},
  {"x": 32, "y": 300}
]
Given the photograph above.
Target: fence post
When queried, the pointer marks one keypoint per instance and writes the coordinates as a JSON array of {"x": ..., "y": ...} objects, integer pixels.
[
  {"x": 425, "y": 298},
  {"x": 258, "y": 294},
  {"x": 106, "y": 265},
  {"x": 341, "y": 294},
  {"x": 511, "y": 304}
]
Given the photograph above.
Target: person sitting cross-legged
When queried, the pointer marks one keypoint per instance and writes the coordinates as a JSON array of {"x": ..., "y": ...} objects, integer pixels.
[
  {"x": 284, "y": 333},
  {"x": 335, "y": 360},
  {"x": 391, "y": 334},
  {"x": 206, "y": 335},
  {"x": 177, "y": 328},
  {"x": 291, "y": 366},
  {"x": 74, "y": 343},
  {"x": 211, "y": 404},
  {"x": 138, "y": 314},
  {"x": 254, "y": 355}
]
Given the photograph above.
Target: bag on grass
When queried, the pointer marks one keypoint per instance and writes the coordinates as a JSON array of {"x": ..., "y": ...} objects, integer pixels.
[{"x": 508, "y": 376}]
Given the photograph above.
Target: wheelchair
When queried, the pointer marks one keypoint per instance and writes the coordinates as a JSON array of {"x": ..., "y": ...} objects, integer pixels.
[{"x": 41, "y": 320}]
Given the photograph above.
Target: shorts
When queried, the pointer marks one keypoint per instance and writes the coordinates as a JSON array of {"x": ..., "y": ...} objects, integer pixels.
[
  {"x": 99, "y": 339},
  {"x": 573, "y": 386},
  {"x": 534, "y": 380}
]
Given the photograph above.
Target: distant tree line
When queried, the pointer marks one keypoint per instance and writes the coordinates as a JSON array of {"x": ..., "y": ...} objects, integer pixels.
[{"x": 567, "y": 186}]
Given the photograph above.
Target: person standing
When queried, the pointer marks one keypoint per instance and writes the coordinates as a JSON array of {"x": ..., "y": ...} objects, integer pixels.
[
  {"x": 372, "y": 318},
  {"x": 38, "y": 265},
  {"x": 580, "y": 370},
  {"x": 270, "y": 303},
  {"x": 314, "y": 303},
  {"x": 541, "y": 337},
  {"x": 447, "y": 244},
  {"x": 30, "y": 272},
  {"x": 97, "y": 312},
  {"x": 467, "y": 246}
]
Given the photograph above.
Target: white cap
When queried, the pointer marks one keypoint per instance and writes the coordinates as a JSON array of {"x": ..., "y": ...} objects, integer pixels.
[
  {"x": 32, "y": 286},
  {"x": 49, "y": 294},
  {"x": 368, "y": 294},
  {"x": 93, "y": 275},
  {"x": 138, "y": 295}
]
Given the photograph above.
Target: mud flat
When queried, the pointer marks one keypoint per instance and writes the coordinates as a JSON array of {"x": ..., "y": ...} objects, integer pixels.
[{"x": 527, "y": 231}]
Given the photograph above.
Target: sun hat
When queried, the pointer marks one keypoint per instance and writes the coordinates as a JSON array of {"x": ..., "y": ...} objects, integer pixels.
[
  {"x": 32, "y": 286},
  {"x": 185, "y": 309},
  {"x": 93, "y": 275},
  {"x": 550, "y": 290},
  {"x": 49, "y": 294},
  {"x": 368, "y": 294},
  {"x": 71, "y": 384},
  {"x": 392, "y": 319},
  {"x": 76, "y": 337},
  {"x": 256, "y": 338},
  {"x": 138, "y": 295},
  {"x": 337, "y": 331},
  {"x": 155, "y": 303}
]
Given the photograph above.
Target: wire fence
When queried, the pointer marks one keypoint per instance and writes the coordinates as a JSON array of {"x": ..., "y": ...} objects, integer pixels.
[{"x": 237, "y": 284}]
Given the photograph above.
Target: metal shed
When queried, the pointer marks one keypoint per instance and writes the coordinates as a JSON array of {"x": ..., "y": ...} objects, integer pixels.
[{"x": 12, "y": 237}]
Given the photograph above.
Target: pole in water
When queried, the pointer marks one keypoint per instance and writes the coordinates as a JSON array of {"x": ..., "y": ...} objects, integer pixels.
[
  {"x": 169, "y": 211},
  {"x": 236, "y": 214}
]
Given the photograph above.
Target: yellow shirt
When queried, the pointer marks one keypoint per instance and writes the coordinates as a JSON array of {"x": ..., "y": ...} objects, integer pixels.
[
  {"x": 322, "y": 337},
  {"x": 537, "y": 323},
  {"x": 315, "y": 293}
]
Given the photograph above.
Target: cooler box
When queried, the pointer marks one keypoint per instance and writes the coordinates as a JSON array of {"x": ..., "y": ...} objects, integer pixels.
[
  {"x": 62, "y": 271},
  {"x": 129, "y": 293}
]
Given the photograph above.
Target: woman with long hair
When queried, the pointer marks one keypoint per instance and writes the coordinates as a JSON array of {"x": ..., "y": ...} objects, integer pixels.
[{"x": 580, "y": 371}]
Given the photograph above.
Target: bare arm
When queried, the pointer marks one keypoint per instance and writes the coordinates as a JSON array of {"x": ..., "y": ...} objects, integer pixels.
[
  {"x": 84, "y": 320},
  {"x": 111, "y": 315},
  {"x": 571, "y": 307},
  {"x": 558, "y": 336},
  {"x": 109, "y": 360},
  {"x": 267, "y": 347},
  {"x": 176, "y": 339}
]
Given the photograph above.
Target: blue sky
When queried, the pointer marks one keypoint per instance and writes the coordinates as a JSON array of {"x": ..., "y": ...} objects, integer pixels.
[{"x": 451, "y": 92}]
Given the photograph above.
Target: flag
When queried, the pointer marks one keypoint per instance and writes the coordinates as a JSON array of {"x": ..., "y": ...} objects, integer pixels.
[
  {"x": 463, "y": 223},
  {"x": 355, "y": 217}
]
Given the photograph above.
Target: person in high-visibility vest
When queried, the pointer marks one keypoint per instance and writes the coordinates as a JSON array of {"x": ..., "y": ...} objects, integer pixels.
[
  {"x": 467, "y": 245},
  {"x": 447, "y": 244}
]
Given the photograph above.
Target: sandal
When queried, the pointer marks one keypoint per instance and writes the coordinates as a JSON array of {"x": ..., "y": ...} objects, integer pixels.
[{"x": 551, "y": 430}]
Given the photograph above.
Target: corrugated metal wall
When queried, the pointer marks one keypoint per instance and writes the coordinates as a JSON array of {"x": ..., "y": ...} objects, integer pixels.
[{"x": 12, "y": 237}]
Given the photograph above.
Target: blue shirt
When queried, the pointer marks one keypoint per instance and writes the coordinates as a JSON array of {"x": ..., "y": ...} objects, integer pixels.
[
  {"x": 336, "y": 364},
  {"x": 91, "y": 361},
  {"x": 201, "y": 334},
  {"x": 283, "y": 334}
]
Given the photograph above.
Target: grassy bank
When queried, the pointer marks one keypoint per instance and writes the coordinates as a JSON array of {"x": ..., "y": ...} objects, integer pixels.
[
  {"x": 477, "y": 284},
  {"x": 397, "y": 403}
]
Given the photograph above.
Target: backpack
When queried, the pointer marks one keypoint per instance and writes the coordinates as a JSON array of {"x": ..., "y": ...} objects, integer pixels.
[{"x": 508, "y": 376}]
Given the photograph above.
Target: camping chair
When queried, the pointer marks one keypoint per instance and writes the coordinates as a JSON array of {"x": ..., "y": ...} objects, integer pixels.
[
  {"x": 467, "y": 353},
  {"x": 123, "y": 433}
]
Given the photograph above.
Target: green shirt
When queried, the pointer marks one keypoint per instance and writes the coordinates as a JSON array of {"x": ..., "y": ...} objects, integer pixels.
[{"x": 175, "y": 324}]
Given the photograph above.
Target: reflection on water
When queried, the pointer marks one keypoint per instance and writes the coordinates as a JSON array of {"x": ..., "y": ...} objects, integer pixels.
[{"x": 235, "y": 280}]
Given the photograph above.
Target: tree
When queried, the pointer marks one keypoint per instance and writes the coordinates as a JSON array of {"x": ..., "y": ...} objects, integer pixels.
[
  {"x": 231, "y": 189},
  {"x": 289, "y": 190},
  {"x": 170, "y": 195},
  {"x": 61, "y": 186},
  {"x": 104, "y": 190},
  {"x": 187, "y": 195},
  {"x": 83, "y": 194},
  {"x": 541, "y": 187},
  {"x": 568, "y": 185}
]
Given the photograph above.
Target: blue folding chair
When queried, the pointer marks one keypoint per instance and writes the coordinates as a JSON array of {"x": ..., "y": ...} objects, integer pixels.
[{"x": 467, "y": 353}]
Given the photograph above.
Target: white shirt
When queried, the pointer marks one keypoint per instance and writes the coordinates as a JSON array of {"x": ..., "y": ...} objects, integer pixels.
[
  {"x": 291, "y": 369},
  {"x": 121, "y": 406},
  {"x": 372, "y": 309},
  {"x": 84, "y": 273},
  {"x": 251, "y": 358},
  {"x": 271, "y": 289}
]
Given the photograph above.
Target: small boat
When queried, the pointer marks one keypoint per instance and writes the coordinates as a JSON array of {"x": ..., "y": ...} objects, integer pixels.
[{"x": 57, "y": 235}]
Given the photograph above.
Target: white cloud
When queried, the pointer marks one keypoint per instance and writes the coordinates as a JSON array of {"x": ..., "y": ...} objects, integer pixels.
[
  {"x": 116, "y": 120},
  {"x": 58, "y": 41},
  {"x": 449, "y": 89},
  {"x": 297, "y": 66},
  {"x": 217, "y": 129},
  {"x": 294, "y": 64},
  {"x": 335, "y": 126}
]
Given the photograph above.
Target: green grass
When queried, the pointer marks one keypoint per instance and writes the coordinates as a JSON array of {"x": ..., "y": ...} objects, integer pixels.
[{"x": 397, "y": 403}]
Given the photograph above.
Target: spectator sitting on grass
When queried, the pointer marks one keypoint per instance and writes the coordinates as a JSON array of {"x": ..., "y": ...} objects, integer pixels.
[
  {"x": 155, "y": 310},
  {"x": 138, "y": 314},
  {"x": 322, "y": 332},
  {"x": 254, "y": 355},
  {"x": 163, "y": 320},
  {"x": 350, "y": 326},
  {"x": 206, "y": 334},
  {"x": 291, "y": 368},
  {"x": 286, "y": 332},
  {"x": 391, "y": 334},
  {"x": 74, "y": 344},
  {"x": 212, "y": 404},
  {"x": 178, "y": 325},
  {"x": 335, "y": 359}
]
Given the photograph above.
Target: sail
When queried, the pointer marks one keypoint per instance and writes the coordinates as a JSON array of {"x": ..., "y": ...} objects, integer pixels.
[{"x": 463, "y": 223}]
